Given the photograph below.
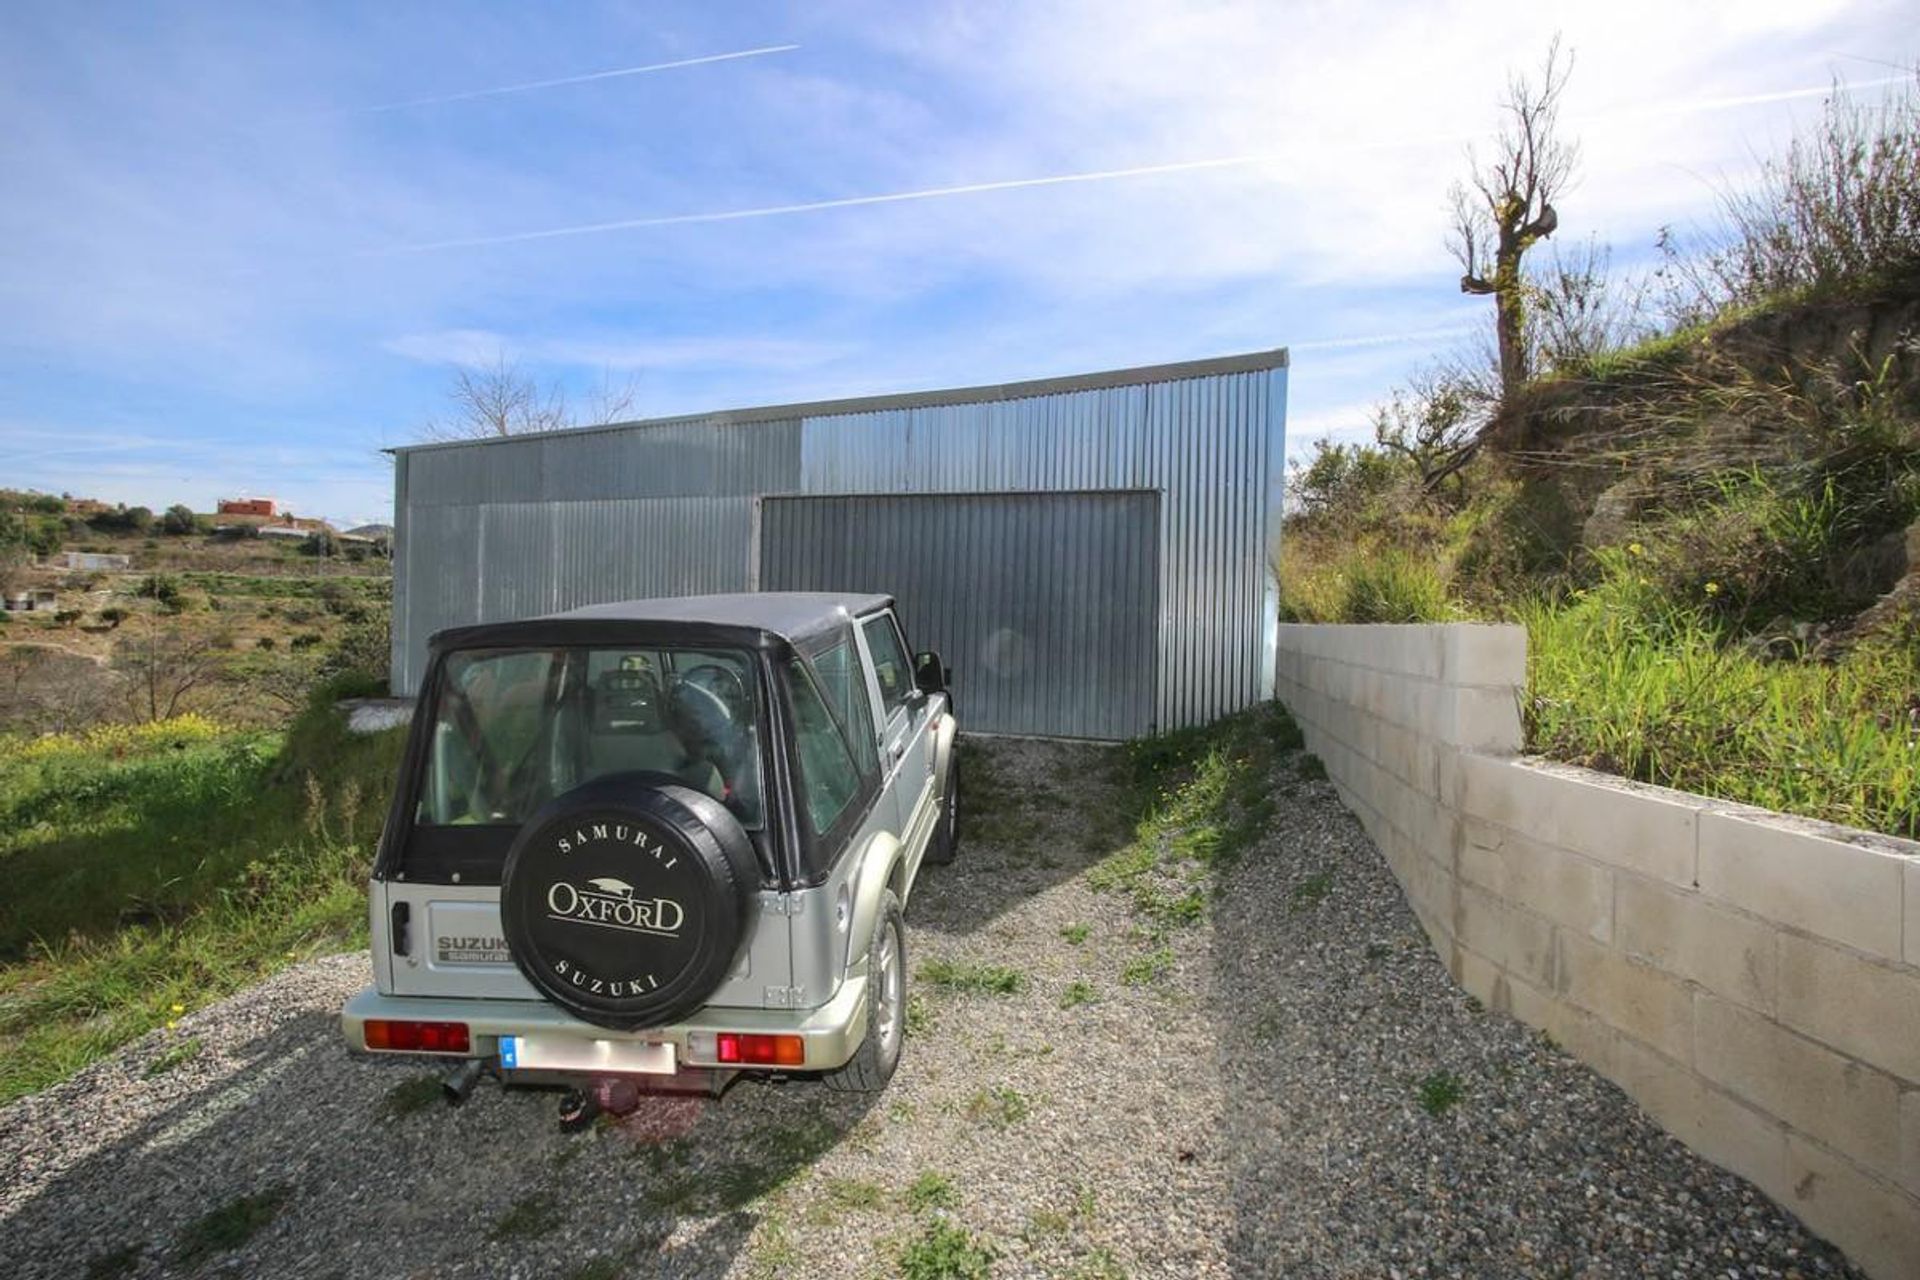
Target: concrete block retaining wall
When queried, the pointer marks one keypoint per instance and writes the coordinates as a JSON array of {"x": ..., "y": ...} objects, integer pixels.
[{"x": 1752, "y": 980}]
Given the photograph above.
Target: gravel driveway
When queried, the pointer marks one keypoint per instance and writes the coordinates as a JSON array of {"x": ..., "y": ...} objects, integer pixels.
[{"x": 1291, "y": 1085}]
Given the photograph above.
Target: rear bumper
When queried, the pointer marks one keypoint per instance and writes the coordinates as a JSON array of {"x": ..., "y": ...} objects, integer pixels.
[{"x": 832, "y": 1033}]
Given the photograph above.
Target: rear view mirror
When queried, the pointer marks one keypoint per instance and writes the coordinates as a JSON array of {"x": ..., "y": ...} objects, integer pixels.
[{"x": 929, "y": 673}]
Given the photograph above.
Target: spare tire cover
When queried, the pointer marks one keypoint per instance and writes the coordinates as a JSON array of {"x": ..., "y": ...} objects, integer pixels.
[{"x": 625, "y": 900}]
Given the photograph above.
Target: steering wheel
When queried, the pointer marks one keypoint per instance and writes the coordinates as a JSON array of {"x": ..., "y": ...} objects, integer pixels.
[{"x": 725, "y": 684}]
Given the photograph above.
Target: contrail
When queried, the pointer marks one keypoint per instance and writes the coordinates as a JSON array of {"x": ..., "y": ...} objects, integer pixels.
[
  {"x": 848, "y": 202},
  {"x": 1677, "y": 107},
  {"x": 532, "y": 85}
]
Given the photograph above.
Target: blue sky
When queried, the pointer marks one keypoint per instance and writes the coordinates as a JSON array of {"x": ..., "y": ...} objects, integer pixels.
[{"x": 243, "y": 246}]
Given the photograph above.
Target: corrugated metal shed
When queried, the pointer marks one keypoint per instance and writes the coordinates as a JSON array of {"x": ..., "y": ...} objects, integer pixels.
[{"x": 524, "y": 525}]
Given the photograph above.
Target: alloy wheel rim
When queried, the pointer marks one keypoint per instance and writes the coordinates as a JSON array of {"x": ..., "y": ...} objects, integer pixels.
[{"x": 890, "y": 990}]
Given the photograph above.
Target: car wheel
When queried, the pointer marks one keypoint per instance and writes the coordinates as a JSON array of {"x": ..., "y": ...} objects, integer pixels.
[
  {"x": 625, "y": 901},
  {"x": 945, "y": 845},
  {"x": 872, "y": 1066}
]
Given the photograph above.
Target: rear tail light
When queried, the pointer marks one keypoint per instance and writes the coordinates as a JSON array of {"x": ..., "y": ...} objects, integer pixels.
[
  {"x": 753, "y": 1050},
  {"x": 417, "y": 1037}
]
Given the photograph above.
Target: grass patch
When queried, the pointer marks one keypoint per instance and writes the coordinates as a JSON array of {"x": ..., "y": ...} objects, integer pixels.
[
  {"x": 1312, "y": 891},
  {"x": 1078, "y": 992},
  {"x": 931, "y": 1190},
  {"x": 946, "y": 1251},
  {"x": 1665, "y": 701},
  {"x": 120, "y": 1262},
  {"x": 983, "y": 979},
  {"x": 920, "y": 1017},
  {"x": 171, "y": 866},
  {"x": 527, "y": 1219},
  {"x": 1148, "y": 967},
  {"x": 180, "y": 1051},
  {"x": 1441, "y": 1092},
  {"x": 411, "y": 1096},
  {"x": 999, "y": 1107},
  {"x": 1075, "y": 934},
  {"x": 229, "y": 1226},
  {"x": 1098, "y": 1264}
]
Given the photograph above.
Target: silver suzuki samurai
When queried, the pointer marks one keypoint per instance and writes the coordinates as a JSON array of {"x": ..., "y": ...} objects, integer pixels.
[{"x": 646, "y": 847}]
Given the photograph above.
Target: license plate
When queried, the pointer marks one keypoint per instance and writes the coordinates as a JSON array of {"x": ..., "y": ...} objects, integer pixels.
[{"x": 571, "y": 1053}]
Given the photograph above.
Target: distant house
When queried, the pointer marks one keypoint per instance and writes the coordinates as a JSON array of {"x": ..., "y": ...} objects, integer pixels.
[
  {"x": 247, "y": 507},
  {"x": 86, "y": 507},
  {"x": 89, "y": 560},
  {"x": 284, "y": 531},
  {"x": 37, "y": 600}
]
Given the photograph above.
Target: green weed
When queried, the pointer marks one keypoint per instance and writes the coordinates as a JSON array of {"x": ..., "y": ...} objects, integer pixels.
[
  {"x": 1148, "y": 967},
  {"x": 1075, "y": 934},
  {"x": 1077, "y": 993},
  {"x": 228, "y": 1227},
  {"x": 180, "y": 1051},
  {"x": 931, "y": 1190},
  {"x": 1311, "y": 891},
  {"x": 984, "y": 979},
  {"x": 528, "y": 1218},
  {"x": 1440, "y": 1092},
  {"x": 946, "y": 1251},
  {"x": 410, "y": 1096},
  {"x": 999, "y": 1107}
]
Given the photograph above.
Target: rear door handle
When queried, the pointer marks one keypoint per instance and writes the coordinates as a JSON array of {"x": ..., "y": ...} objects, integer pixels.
[{"x": 401, "y": 916}]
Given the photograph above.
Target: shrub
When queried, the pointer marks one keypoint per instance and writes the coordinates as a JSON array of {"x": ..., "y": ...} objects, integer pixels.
[
  {"x": 1839, "y": 211},
  {"x": 179, "y": 520},
  {"x": 113, "y": 615},
  {"x": 1396, "y": 586},
  {"x": 162, "y": 587},
  {"x": 305, "y": 640}
]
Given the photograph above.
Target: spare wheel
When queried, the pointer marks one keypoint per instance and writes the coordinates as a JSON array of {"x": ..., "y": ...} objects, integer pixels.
[{"x": 625, "y": 900}]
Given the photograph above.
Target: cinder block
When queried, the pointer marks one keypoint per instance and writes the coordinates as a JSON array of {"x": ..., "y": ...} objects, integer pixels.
[
  {"x": 1875, "y": 1222},
  {"x": 1485, "y": 655},
  {"x": 1653, "y": 833},
  {"x": 1559, "y": 886},
  {"x": 1509, "y": 937},
  {"x": 1851, "y": 1107},
  {"x": 1847, "y": 892},
  {"x": 1636, "y": 998},
  {"x": 1867, "y": 1010},
  {"x": 1484, "y": 720},
  {"x": 1586, "y": 1037},
  {"x": 1680, "y": 931}
]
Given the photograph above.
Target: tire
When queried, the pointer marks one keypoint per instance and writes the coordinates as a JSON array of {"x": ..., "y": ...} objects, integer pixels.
[
  {"x": 625, "y": 900},
  {"x": 944, "y": 846},
  {"x": 873, "y": 1064}
]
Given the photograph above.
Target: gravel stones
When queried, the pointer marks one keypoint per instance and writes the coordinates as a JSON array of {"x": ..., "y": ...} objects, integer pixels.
[{"x": 1252, "y": 1107}]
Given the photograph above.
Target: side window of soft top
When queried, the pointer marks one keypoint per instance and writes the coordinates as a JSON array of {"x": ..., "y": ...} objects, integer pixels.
[
  {"x": 891, "y": 667},
  {"x": 829, "y": 779}
]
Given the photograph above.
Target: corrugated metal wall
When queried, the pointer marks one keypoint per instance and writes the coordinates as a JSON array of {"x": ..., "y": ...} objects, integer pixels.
[
  {"x": 509, "y": 528},
  {"x": 1044, "y": 605}
]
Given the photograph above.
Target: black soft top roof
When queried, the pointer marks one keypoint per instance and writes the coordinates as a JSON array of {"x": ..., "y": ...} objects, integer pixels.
[{"x": 749, "y": 618}]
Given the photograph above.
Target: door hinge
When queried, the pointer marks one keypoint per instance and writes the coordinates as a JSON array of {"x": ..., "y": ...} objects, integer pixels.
[
  {"x": 785, "y": 997},
  {"x": 783, "y": 904}
]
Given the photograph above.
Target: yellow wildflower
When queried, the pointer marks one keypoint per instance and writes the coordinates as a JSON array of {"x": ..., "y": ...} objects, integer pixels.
[
  {"x": 1635, "y": 549},
  {"x": 179, "y": 1008},
  {"x": 1713, "y": 588}
]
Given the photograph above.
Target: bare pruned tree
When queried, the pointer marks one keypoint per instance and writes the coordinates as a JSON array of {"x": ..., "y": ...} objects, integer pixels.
[
  {"x": 502, "y": 399},
  {"x": 159, "y": 664},
  {"x": 1506, "y": 207}
]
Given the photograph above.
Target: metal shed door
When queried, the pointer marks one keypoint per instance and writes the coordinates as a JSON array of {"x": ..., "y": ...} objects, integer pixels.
[{"x": 1045, "y": 605}]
